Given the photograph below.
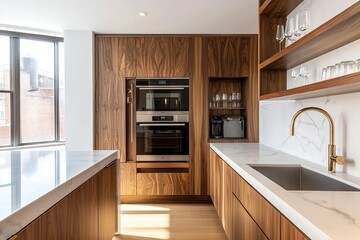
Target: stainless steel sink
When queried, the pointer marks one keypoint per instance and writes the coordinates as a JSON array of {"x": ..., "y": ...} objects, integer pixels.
[{"x": 297, "y": 178}]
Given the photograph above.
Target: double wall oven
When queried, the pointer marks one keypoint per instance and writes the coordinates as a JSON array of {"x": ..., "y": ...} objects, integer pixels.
[{"x": 162, "y": 119}]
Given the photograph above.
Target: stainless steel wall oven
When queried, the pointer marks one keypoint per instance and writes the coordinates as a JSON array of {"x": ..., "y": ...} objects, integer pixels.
[{"x": 162, "y": 119}]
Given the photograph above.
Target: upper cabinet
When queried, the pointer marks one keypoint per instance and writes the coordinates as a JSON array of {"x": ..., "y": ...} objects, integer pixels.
[
  {"x": 162, "y": 56},
  {"x": 336, "y": 32}
]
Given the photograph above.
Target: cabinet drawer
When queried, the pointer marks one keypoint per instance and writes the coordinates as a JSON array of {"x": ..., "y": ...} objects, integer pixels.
[
  {"x": 162, "y": 183},
  {"x": 265, "y": 215},
  {"x": 289, "y": 231},
  {"x": 244, "y": 226}
]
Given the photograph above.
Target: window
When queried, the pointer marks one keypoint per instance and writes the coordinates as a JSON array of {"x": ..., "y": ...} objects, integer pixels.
[{"x": 32, "y": 89}]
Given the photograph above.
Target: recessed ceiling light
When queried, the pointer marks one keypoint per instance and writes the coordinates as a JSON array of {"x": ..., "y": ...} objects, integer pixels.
[{"x": 143, "y": 14}]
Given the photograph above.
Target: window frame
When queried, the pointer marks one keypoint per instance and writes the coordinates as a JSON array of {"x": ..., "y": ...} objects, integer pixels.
[{"x": 14, "y": 38}]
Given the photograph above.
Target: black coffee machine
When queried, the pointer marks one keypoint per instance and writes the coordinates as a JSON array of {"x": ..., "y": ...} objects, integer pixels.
[{"x": 216, "y": 127}]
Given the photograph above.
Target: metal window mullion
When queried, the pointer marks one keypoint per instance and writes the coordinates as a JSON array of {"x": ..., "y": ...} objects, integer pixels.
[
  {"x": 15, "y": 88},
  {"x": 56, "y": 92}
]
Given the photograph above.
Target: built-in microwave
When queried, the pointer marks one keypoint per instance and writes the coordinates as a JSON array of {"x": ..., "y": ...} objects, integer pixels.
[{"x": 162, "y": 94}]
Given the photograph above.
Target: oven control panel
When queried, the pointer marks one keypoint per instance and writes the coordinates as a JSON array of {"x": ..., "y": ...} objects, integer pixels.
[{"x": 163, "y": 118}]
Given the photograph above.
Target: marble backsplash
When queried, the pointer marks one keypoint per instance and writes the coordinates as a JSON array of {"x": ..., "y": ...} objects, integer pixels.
[{"x": 312, "y": 129}]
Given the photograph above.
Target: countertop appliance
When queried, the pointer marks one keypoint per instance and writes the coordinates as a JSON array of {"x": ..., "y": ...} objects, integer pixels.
[
  {"x": 162, "y": 119},
  {"x": 234, "y": 127},
  {"x": 216, "y": 126}
]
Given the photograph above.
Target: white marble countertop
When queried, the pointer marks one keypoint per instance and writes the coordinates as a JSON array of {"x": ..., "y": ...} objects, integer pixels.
[
  {"x": 320, "y": 215},
  {"x": 33, "y": 181}
]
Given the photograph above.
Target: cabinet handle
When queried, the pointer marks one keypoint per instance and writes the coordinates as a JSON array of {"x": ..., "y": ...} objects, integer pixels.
[{"x": 131, "y": 113}]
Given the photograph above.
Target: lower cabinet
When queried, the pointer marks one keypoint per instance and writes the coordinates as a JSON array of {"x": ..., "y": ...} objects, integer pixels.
[
  {"x": 245, "y": 213},
  {"x": 162, "y": 183},
  {"x": 244, "y": 226},
  {"x": 89, "y": 212}
]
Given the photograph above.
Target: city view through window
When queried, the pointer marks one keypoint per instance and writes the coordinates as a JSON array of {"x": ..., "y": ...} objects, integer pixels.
[{"x": 41, "y": 112}]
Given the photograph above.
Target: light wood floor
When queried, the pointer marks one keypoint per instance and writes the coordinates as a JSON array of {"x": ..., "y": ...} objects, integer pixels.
[{"x": 169, "y": 221}]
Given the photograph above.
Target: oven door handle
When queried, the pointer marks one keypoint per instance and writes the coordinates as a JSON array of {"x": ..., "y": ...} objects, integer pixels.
[
  {"x": 160, "y": 124},
  {"x": 161, "y": 88}
]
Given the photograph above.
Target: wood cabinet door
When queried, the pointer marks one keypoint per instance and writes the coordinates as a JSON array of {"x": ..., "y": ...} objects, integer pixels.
[
  {"x": 228, "y": 56},
  {"x": 128, "y": 178},
  {"x": 265, "y": 215},
  {"x": 289, "y": 231},
  {"x": 162, "y": 183},
  {"x": 245, "y": 227},
  {"x": 218, "y": 186},
  {"x": 227, "y": 210},
  {"x": 107, "y": 202}
]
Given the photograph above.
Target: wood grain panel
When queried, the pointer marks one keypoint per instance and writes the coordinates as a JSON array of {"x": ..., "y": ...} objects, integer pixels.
[
  {"x": 107, "y": 202},
  {"x": 162, "y": 183},
  {"x": 263, "y": 213},
  {"x": 227, "y": 208},
  {"x": 272, "y": 81},
  {"x": 180, "y": 48},
  {"x": 218, "y": 186},
  {"x": 130, "y": 53},
  {"x": 153, "y": 57},
  {"x": 245, "y": 227},
  {"x": 128, "y": 178},
  {"x": 110, "y": 96},
  {"x": 277, "y": 8},
  {"x": 130, "y": 119},
  {"x": 162, "y": 165},
  {"x": 289, "y": 231},
  {"x": 198, "y": 132},
  {"x": 250, "y": 94}
]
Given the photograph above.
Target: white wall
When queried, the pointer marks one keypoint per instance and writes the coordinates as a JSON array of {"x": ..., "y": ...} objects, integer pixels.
[
  {"x": 79, "y": 75},
  {"x": 312, "y": 129}
]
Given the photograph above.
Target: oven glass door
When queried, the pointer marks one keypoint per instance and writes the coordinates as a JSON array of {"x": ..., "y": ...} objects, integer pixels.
[
  {"x": 162, "y": 99},
  {"x": 162, "y": 141}
]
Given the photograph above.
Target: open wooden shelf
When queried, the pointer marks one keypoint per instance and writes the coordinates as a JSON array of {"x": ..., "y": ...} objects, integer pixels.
[
  {"x": 345, "y": 84},
  {"x": 227, "y": 108},
  {"x": 278, "y": 8},
  {"x": 338, "y": 31},
  {"x": 227, "y": 140}
]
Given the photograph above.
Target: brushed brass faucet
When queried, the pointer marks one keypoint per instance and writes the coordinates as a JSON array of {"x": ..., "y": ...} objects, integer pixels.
[{"x": 332, "y": 157}]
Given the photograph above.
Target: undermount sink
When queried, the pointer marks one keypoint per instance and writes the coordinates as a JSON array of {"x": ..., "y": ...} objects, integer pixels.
[{"x": 297, "y": 178}]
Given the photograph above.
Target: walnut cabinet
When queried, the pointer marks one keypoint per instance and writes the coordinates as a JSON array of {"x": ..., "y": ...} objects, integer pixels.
[
  {"x": 89, "y": 212},
  {"x": 245, "y": 213}
]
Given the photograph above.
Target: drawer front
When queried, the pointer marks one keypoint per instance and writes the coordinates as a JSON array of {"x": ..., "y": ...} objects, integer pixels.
[
  {"x": 266, "y": 216},
  {"x": 289, "y": 231},
  {"x": 162, "y": 183}
]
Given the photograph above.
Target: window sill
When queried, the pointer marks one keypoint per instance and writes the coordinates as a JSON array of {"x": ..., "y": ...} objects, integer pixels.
[{"x": 39, "y": 146}]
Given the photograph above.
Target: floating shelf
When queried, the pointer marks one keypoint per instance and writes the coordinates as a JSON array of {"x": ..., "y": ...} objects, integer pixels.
[
  {"x": 278, "y": 8},
  {"x": 227, "y": 108},
  {"x": 338, "y": 31},
  {"x": 345, "y": 84},
  {"x": 227, "y": 140}
]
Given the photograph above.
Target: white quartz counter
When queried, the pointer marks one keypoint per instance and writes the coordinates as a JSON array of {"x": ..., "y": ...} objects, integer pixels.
[
  {"x": 320, "y": 215},
  {"x": 33, "y": 181}
]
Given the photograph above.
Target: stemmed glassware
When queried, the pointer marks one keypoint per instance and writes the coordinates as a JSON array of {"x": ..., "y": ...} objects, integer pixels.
[
  {"x": 304, "y": 21},
  {"x": 289, "y": 29},
  {"x": 280, "y": 35},
  {"x": 297, "y": 25}
]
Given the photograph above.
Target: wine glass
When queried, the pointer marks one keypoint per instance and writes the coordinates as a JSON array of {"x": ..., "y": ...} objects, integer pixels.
[
  {"x": 297, "y": 30},
  {"x": 304, "y": 23},
  {"x": 280, "y": 35},
  {"x": 217, "y": 99},
  {"x": 289, "y": 29},
  {"x": 304, "y": 74}
]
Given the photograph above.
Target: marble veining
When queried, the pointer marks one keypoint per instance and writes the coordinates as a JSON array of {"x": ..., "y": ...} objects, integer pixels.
[
  {"x": 33, "y": 181},
  {"x": 319, "y": 214}
]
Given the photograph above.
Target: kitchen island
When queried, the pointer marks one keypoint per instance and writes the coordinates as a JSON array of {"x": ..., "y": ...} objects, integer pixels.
[
  {"x": 318, "y": 214},
  {"x": 58, "y": 194}
]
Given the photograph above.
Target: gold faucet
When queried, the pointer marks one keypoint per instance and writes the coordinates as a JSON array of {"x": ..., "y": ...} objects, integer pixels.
[{"x": 332, "y": 157}]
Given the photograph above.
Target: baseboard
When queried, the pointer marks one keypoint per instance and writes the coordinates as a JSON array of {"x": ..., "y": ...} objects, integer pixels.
[{"x": 165, "y": 199}]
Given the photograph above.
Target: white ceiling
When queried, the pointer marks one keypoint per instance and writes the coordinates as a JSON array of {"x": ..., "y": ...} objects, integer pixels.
[{"x": 121, "y": 16}]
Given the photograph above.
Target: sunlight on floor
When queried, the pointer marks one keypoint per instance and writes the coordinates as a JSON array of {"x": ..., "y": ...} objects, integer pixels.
[{"x": 145, "y": 221}]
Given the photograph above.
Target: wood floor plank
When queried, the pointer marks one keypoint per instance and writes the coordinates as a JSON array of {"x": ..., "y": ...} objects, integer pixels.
[{"x": 169, "y": 221}]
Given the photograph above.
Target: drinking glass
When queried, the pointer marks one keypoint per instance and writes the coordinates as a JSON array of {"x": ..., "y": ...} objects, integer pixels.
[
  {"x": 337, "y": 70},
  {"x": 304, "y": 21},
  {"x": 297, "y": 31},
  {"x": 342, "y": 69},
  {"x": 350, "y": 67},
  {"x": 304, "y": 74},
  {"x": 289, "y": 29},
  {"x": 238, "y": 99},
  {"x": 324, "y": 74},
  {"x": 330, "y": 72},
  {"x": 280, "y": 35},
  {"x": 224, "y": 100},
  {"x": 357, "y": 63},
  {"x": 217, "y": 99}
]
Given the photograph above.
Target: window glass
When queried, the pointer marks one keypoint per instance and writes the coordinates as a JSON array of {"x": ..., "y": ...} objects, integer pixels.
[
  {"x": 5, "y": 119},
  {"x": 4, "y": 63},
  {"x": 37, "y": 114},
  {"x": 61, "y": 91}
]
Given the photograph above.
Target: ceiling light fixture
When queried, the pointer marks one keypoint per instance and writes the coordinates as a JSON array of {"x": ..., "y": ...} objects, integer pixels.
[{"x": 143, "y": 14}]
